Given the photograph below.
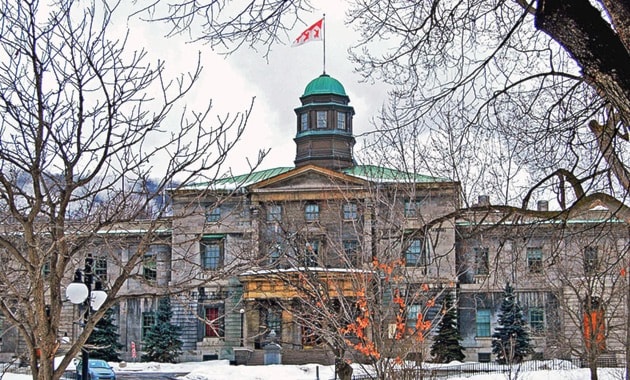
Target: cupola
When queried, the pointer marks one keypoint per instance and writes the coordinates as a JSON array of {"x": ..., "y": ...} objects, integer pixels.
[{"x": 324, "y": 125}]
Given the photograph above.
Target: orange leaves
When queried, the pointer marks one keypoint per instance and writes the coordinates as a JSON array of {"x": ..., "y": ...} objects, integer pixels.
[
  {"x": 362, "y": 303},
  {"x": 362, "y": 323},
  {"x": 367, "y": 348},
  {"x": 387, "y": 268},
  {"x": 398, "y": 300},
  {"x": 359, "y": 329},
  {"x": 422, "y": 326},
  {"x": 405, "y": 322},
  {"x": 400, "y": 327}
]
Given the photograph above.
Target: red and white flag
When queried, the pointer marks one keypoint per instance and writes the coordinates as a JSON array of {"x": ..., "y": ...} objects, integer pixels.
[{"x": 313, "y": 33}]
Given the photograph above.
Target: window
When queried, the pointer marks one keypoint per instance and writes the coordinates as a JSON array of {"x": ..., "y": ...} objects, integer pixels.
[
  {"x": 100, "y": 268},
  {"x": 350, "y": 211},
  {"x": 213, "y": 214},
  {"x": 412, "y": 208},
  {"x": 304, "y": 121},
  {"x": 149, "y": 261},
  {"x": 311, "y": 212},
  {"x": 149, "y": 266},
  {"x": 321, "y": 119},
  {"x": 351, "y": 251},
  {"x": 311, "y": 253},
  {"x": 46, "y": 268},
  {"x": 274, "y": 254},
  {"x": 274, "y": 213},
  {"x": 484, "y": 357},
  {"x": 482, "y": 263},
  {"x": 341, "y": 120},
  {"x": 213, "y": 322},
  {"x": 271, "y": 318},
  {"x": 310, "y": 337},
  {"x": 148, "y": 320},
  {"x": 211, "y": 253},
  {"x": 537, "y": 319},
  {"x": 534, "y": 259},
  {"x": 412, "y": 316},
  {"x": 483, "y": 323},
  {"x": 590, "y": 260},
  {"x": 416, "y": 254}
]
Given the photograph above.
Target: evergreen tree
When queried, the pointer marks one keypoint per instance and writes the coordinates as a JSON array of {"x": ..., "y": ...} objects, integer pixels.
[
  {"x": 446, "y": 346},
  {"x": 162, "y": 343},
  {"x": 510, "y": 341},
  {"x": 104, "y": 340}
]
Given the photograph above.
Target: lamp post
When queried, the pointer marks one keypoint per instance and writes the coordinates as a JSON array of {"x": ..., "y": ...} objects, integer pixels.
[
  {"x": 242, "y": 311},
  {"x": 80, "y": 293}
]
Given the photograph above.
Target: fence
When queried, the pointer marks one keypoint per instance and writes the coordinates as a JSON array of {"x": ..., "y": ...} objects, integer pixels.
[{"x": 469, "y": 369}]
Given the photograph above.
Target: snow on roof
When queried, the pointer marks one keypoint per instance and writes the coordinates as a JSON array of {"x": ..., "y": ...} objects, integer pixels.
[
  {"x": 256, "y": 272},
  {"x": 135, "y": 231}
]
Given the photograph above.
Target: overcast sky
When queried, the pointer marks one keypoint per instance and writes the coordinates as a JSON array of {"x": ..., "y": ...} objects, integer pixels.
[{"x": 231, "y": 82}]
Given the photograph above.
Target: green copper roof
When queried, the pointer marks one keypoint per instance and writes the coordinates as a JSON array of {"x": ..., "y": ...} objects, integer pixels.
[
  {"x": 324, "y": 84},
  {"x": 383, "y": 174},
  {"x": 368, "y": 172},
  {"x": 230, "y": 182}
]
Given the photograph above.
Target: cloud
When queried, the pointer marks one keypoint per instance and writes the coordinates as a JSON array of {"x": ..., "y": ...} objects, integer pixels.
[{"x": 276, "y": 83}]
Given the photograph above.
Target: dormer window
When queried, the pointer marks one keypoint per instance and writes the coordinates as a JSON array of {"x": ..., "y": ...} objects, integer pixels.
[
  {"x": 321, "y": 119},
  {"x": 304, "y": 121}
]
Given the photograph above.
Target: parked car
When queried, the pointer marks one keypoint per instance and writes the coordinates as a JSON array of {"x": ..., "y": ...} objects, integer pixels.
[{"x": 97, "y": 370}]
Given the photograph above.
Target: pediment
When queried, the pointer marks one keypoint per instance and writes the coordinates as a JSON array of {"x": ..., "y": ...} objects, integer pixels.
[{"x": 309, "y": 177}]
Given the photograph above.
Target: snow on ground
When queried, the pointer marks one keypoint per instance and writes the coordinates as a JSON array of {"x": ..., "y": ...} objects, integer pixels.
[{"x": 221, "y": 370}]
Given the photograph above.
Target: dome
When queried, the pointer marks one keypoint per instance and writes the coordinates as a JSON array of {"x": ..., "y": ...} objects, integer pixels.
[{"x": 324, "y": 84}]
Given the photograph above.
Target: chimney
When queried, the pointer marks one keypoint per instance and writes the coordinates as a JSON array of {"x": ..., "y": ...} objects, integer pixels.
[
  {"x": 483, "y": 200},
  {"x": 543, "y": 205}
]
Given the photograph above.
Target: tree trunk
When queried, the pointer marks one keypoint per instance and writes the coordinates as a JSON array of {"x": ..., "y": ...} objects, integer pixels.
[
  {"x": 592, "y": 366},
  {"x": 344, "y": 370},
  {"x": 592, "y": 42},
  {"x": 627, "y": 345}
]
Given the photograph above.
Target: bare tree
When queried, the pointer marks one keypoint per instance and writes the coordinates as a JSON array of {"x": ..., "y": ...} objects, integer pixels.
[
  {"x": 588, "y": 271},
  {"x": 228, "y": 26},
  {"x": 483, "y": 75},
  {"x": 570, "y": 276},
  {"x": 86, "y": 158},
  {"x": 351, "y": 269},
  {"x": 537, "y": 80},
  {"x": 530, "y": 97}
]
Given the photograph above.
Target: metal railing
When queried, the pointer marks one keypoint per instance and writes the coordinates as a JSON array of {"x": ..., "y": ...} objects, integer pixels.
[{"x": 470, "y": 369}]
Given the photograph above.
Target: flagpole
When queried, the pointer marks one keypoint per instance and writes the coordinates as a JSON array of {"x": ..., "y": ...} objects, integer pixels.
[{"x": 324, "y": 40}]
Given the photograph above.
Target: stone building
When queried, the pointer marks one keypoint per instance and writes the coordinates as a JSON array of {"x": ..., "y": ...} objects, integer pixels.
[
  {"x": 327, "y": 217},
  {"x": 247, "y": 246},
  {"x": 561, "y": 268}
]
